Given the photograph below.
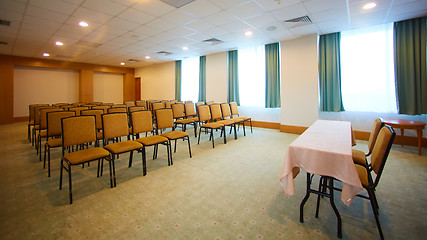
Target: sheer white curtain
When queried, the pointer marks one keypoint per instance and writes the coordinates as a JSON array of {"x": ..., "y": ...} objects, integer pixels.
[
  {"x": 252, "y": 76},
  {"x": 367, "y": 69},
  {"x": 190, "y": 79}
]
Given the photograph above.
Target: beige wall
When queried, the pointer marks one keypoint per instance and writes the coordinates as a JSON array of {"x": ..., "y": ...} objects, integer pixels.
[
  {"x": 216, "y": 77},
  {"x": 299, "y": 79},
  {"x": 157, "y": 81},
  {"x": 108, "y": 87},
  {"x": 43, "y": 85}
]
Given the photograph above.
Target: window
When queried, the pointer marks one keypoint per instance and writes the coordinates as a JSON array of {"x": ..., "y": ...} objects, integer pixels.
[
  {"x": 190, "y": 79},
  {"x": 252, "y": 76},
  {"x": 367, "y": 69}
]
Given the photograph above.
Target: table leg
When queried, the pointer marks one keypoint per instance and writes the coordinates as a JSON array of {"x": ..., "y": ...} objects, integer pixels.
[
  {"x": 301, "y": 207},
  {"x": 331, "y": 199}
]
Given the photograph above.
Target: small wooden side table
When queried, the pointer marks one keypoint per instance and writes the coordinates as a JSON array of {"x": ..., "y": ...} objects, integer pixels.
[{"x": 403, "y": 124}]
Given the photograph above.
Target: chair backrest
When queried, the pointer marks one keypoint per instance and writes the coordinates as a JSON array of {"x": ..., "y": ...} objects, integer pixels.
[
  {"x": 77, "y": 109},
  {"x": 116, "y": 110},
  {"x": 129, "y": 103},
  {"x": 381, "y": 150},
  {"x": 37, "y": 113},
  {"x": 115, "y": 125},
  {"x": 103, "y": 107},
  {"x": 169, "y": 104},
  {"x": 204, "y": 113},
  {"x": 189, "y": 109},
  {"x": 376, "y": 127},
  {"x": 31, "y": 110},
  {"x": 77, "y": 130},
  {"x": 215, "y": 112},
  {"x": 234, "y": 109},
  {"x": 59, "y": 104},
  {"x": 225, "y": 109},
  {"x": 164, "y": 118},
  {"x": 136, "y": 108},
  {"x": 119, "y": 106},
  {"x": 199, "y": 103},
  {"x": 178, "y": 110},
  {"x": 54, "y": 122},
  {"x": 157, "y": 105},
  {"x": 141, "y": 121},
  {"x": 209, "y": 102},
  {"x": 98, "y": 116},
  {"x": 43, "y": 116},
  {"x": 141, "y": 103}
]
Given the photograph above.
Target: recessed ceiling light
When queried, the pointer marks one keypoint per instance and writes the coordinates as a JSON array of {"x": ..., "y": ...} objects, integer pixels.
[
  {"x": 83, "y": 24},
  {"x": 58, "y": 43},
  {"x": 369, "y": 5},
  {"x": 122, "y": 63},
  {"x": 248, "y": 33},
  {"x": 147, "y": 57},
  {"x": 184, "y": 48},
  {"x": 46, "y": 54}
]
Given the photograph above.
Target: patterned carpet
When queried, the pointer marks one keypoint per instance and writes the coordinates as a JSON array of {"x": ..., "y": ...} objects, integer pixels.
[{"x": 229, "y": 192}]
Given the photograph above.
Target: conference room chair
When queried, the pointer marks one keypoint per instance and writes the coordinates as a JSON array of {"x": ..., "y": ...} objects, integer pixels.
[
  {"x": 379, "y": 156},
  {"x": 216, "y": 116},
  {"x": 226, "y": 114},
  {"x": 54, "y": 133},
  {"x": 117, "y": 109},
  {"x": 98, "y": 120},
  {"x": 78, "y": 131},
  {"x": 205, "y": 124},
  {"x": 42, "y": 133},
  {"x": 31, "y": 118},
  {"x": 165, "y": 121},
  {"x": 78, "y": 109},
  {"x": 178, "y": 111},
  {"x": 142, "y": 122},
  {"x": 116, "y": 126},
  {"x": 190, "y": 112},
  {"x": 129, "y": 104},
  {"x": 103, "y": 107},
  {"x": 235, "y": 114},
  {"x": 37, "y": 124},
  {"x": 359, "y": 156},
  {"x": 141, "y": 103},
  {"x": 135, "y": 108}
]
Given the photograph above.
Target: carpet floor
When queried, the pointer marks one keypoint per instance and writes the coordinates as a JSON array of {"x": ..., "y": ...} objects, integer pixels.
[{"x": 231, "y": 191}]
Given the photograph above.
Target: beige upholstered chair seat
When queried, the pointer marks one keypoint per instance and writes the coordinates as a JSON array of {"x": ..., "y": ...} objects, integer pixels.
[
  {"x": 120, "y": 147},
  {"x": 184, "y": 121},
  {"x": 152, "y": 140},
  {"x": 213, "y": 125},
  {"x": 359, "y": 157},
  {"x": 227, "y": 122},
  {"x": 54, "y": 142},
  {"x": 174, "y": 135},
  {"x": 43, "y": 133},
  {"x": 86, "y": 155},
  {"x": 363, "y": 174}
]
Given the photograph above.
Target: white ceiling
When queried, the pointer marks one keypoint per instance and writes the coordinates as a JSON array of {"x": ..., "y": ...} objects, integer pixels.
[{"x": 120, "y": 30}]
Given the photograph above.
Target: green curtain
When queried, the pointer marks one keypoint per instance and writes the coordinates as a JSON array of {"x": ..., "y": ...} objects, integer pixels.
[
  {"x": 202, "y": 79},
  {"x": 272, "y": 75},
  {"x": 178, "y": 80},
  {"x": 410, "y": 66},
  {"x": 330, "y": 73},
  {"x": 233, "y": 77}
]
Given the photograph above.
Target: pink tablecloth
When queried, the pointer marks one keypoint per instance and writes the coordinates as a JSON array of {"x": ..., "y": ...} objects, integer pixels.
[{"x": 323, "y": 149}]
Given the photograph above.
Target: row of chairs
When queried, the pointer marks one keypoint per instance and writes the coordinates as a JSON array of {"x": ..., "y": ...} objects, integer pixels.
[{"x": 136, "y": 123}]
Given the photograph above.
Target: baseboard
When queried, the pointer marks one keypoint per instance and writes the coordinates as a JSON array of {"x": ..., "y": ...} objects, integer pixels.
[{"x": 269, "y": 125}]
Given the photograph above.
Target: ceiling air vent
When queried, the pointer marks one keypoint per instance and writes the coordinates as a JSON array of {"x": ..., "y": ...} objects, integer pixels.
[
  {"x": 177, "y": 3},
  {"x": 165, "y": 53},
  {"x": 3, "y": 43},
  {"x": 212, "y": 41},
  {"x": 299, "y": 21},
  {"x": 4, "y": 22},
  {"x": 132, "y": 60}
]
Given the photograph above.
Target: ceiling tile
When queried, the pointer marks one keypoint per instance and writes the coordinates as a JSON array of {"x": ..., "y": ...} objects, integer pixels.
[
  {"x": 122, "y": 23},
  {"x": 271, "y": 5},
  {"x": 294, "y": 11},
  {"x": 161, "y": 24},
  {"x": 105, "y": 6},
  {"x": 91, "y": 15},
  {"x": 226, "y": 4},
  {"x": 147, "y": 30},
  {"x": 260, "y": 20},
  {"x": 56, "y": 6},
  {"x": 181, "y": 31},
  {"x": 220, "y": 18},
  {"x": 199, "y": 25},
  {"x": 156, "y": 8},
  {"x": 136, "y": 16},
  {"x": 13, "y": 6},
  {"x": 201, "y": 8},
  {"x": 246, "y": 10},
  {"x": 179, "y": 17},
  {"x": 42, "y": 13},
  {"x": 314, "y": 6}
]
